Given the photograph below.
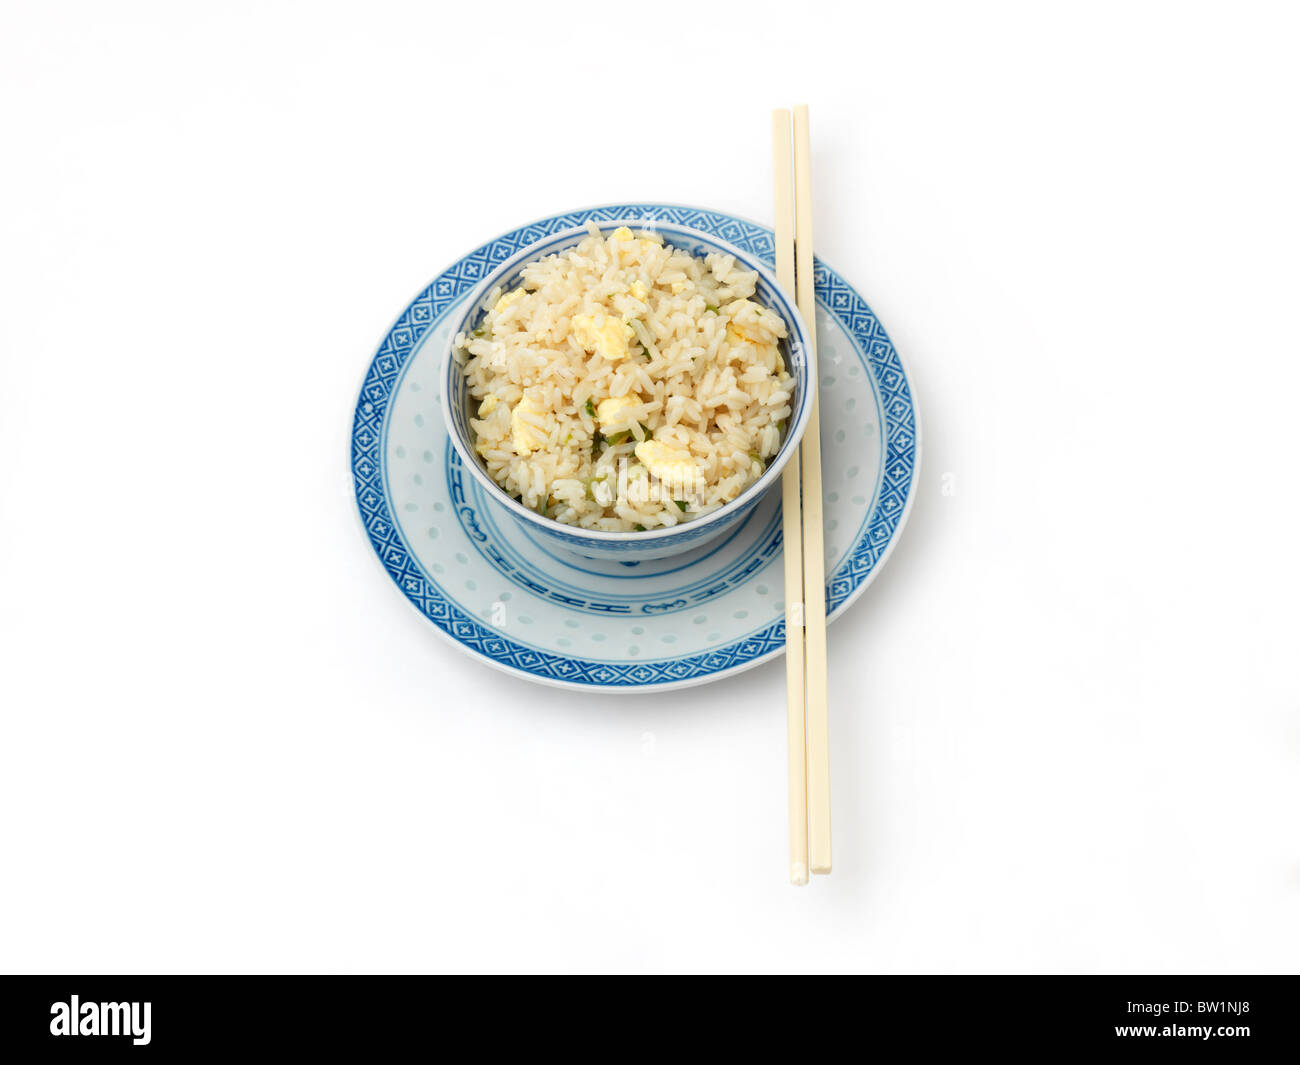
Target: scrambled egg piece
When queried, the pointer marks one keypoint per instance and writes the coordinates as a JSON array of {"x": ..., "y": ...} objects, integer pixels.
[
  {"x": 603, "y": 334},
  {"x": 639, "y": 290},
  {"x": 488, "y": 405},
  {"x": 633, "y": 245},
  {"x": 513, "y": 296},
  {"x": 607, "y": 409},
  {"x": 527, "y": 436},
  {"x": 738, "y": 335},
  {"x": 668, "y": 463}
]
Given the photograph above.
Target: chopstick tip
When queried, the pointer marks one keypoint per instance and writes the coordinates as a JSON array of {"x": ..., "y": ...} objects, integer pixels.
[{"x": 798, "y": 874}]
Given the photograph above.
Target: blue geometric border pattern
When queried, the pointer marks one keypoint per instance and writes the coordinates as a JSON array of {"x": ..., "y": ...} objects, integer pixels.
[
  {"x": 479, "y": 523},
  {"x": 427, "y": 307},
  {"x": 900, "y": 431}
]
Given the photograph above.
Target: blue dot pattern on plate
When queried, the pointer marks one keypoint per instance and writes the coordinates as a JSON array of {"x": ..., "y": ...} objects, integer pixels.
[{"x": 712, "y": 608}]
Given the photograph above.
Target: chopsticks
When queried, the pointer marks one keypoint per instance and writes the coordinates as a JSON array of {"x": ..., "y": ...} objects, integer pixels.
[
  {"x": 801, "y": 499},
  {"x": 814, "y": 551},
  {"x": 792, "y": 528}
]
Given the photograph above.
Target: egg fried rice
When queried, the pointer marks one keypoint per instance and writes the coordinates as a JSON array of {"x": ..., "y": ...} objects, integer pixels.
[{"x": 626, "y": 384}]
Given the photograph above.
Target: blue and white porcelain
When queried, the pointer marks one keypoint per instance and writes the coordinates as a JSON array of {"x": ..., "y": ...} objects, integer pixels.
[
  {"x": 502, "y": 593},
  {"x": 653, "y": 543}
]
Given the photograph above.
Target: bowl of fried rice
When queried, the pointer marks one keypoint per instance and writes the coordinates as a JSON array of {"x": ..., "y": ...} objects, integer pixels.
[{"x": 629, "y": 390}]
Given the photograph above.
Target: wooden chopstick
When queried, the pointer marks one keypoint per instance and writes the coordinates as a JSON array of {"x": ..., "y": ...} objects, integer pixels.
[
  {"x": 817, "y": 725},
  {"x": 783, "y": 177}
]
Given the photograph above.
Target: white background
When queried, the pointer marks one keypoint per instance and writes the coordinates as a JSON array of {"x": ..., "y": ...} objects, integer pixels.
[{"x": 1065, "y": 728}]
